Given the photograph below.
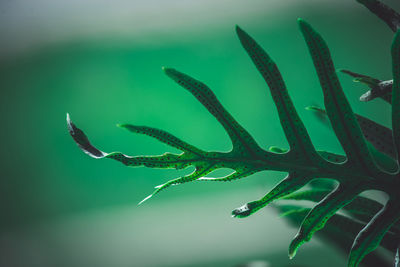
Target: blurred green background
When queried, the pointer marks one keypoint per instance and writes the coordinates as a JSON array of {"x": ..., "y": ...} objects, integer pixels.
[{"x": 101, "y": 62}]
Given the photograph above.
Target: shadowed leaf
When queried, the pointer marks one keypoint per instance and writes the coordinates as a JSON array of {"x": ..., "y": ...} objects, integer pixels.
[
  {"x": 370, "y": 237},
  {"x": 338, "y": 109},
  {"x": 385, "y": 13},
  {"x": 340, "y": 231},
  {"x": 291, "y": 183},
  {"x": 396, "y": 92},
  {"x": 296, "y": 134},
  {"x": 379, "y": 136},
  {"x": 318, "y": 216}
]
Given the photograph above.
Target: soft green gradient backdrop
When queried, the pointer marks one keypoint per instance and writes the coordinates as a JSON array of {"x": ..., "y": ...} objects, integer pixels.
[{"x": 62, "y": 208}]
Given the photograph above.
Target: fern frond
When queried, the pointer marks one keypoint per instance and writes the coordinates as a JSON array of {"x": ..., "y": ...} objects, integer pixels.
[{"x": 369, "y": 163}]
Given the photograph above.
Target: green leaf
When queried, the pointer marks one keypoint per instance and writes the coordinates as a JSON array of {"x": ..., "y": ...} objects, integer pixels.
[
  {"x": 242, "y": 141},
  {"x": 167, "y": 160},
  {"x": 378, "y": 135},
  {"x": 338, "y": 109},
  {"x": 328, "y": 156},
  {"x": 385, "y": 13},
  {"x": 299, "y": 140},
  {"x": 319, "y": 215},
  {"x": 204, "y": 162},
  {"x": 163, "y": 137},
  {"x": 370, "y": 237},
  {"x": 291, "y": 183},
  {"x": 361, "y": 208},
  {"x": 315, "y": 195},
  {"x": 332, "y": 157},
  {"x": 238, "y": 174},
  {"x": 340, "y": 231},
  {"x": 200, "y": 171}
]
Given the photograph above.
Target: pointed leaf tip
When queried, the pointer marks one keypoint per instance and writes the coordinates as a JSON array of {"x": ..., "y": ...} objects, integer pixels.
[
  {"x": 238, "y": 29},
  {"x": 304, "y": 26},
  {"x": 167, "y": 70},
  {"x": 292, "y": 255},
  {"x": 316, "y": 109},
  {"x": 301, "y": 22},
  {"x": 294, "y": 246},
  {"x": 69, "y": 123},
  {"x": 146, "y": 198}
]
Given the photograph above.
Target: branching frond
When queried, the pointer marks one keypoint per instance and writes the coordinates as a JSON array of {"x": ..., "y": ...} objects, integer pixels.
[{"x": 370, "y": 161}]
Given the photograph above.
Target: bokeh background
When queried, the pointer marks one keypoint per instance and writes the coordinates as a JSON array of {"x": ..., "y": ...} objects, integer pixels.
[{"x": 101, "y": 62}]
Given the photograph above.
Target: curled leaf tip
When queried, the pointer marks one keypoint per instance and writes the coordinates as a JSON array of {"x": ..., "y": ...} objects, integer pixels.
[
  {"x": 82, "y": 141},
  {"x": 242, "y": 212},
  {"x": 315, "y": 108},
  {"x": 277, "y": 149}
]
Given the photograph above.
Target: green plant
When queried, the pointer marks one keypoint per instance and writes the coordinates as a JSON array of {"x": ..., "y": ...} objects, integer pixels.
[{"x": 371, "y": 160}]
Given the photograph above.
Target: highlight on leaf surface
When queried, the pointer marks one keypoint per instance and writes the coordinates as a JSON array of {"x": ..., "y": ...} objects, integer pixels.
[
  {"x": 370, "y": 161},
  {"x": 379, "y": 88}
]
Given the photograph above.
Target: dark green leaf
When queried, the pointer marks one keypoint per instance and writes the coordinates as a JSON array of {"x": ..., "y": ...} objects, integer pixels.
[
  {"x": 291, "y": 183},
  {"x": 385, "y": 13},
  {"x": 242, "y": 141},
  {"x": 319, "y": 215},
  {"x": 296, "y": 134},
  {"x": 164, "y": 137},
  {"x": 338, "y": 109},
  {"x": 370, "y": 237}
]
